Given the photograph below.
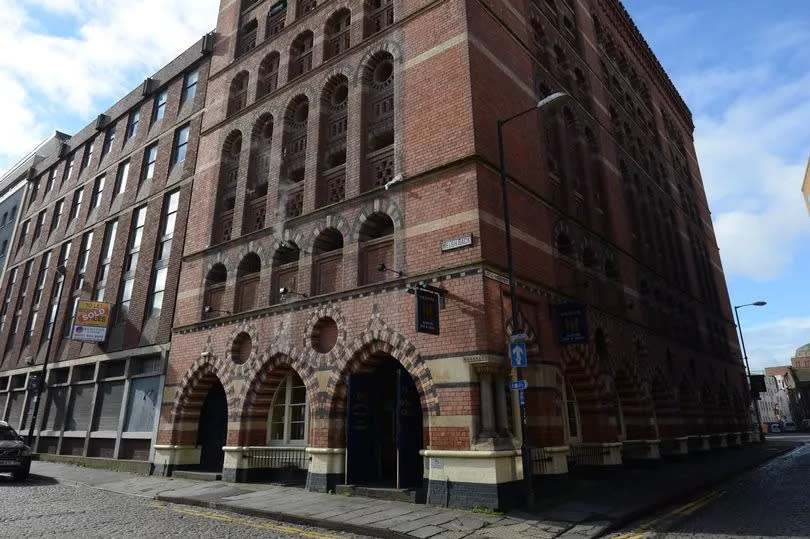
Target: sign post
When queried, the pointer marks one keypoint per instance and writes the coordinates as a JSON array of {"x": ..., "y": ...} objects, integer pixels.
[{"x": 91, "y": 321}]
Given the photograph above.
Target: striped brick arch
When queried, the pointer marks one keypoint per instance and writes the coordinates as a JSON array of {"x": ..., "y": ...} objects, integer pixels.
[
  {"x": 633, "y": 391},
  {"x": 262, "y": 383},
  {"x": 592, "y": 379},
  {"x": 667, "y": 407},
  {"x": 194, "y": 387},
  {"x": 365, "y": 353}
]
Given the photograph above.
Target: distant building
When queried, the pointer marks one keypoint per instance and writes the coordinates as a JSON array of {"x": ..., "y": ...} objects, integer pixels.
[
  {"x": 13, "y": 190},
  {"x": 775, "y": 404},
  {"x": 801, "y": 360}
]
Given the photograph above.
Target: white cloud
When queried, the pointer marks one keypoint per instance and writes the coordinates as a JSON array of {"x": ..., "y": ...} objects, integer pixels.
[
  {"x": 753, "y": 151},
  {"x": 83, "y": 70},
  {"x": 774, "y": 343}
]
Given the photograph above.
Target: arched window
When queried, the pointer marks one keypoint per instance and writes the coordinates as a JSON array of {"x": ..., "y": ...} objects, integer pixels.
[
  {"x": 332, "y": 181},
  {"x": 327, "y": 262},
  {"x": 593, "y": 177},
  {"x": 287, "y": 420},
  {"x": 554, "y": 161},
  {"x": 376, "y": 248},
  {"x": 285, "y": 269},
  {"x": 305, "y": 6},
  {"x": 226, "y": 195},
  {"x": 294, "y": 155},
  {"x": 379, "y": 16},
  {"x": 572, "y": 421},
  {"x": 247, "y": 37},
  {"x": 338, "y": 38},
  {"x": 237, "y": 99},
  {"x": 247, "y": 282},
  {"x": 268, "y": 75},
  {"x": 275, "y": 19},
  {"x": 378, "y": 120},
  {"x": 215, "y": 291},
  {"x": 301, "y": 55},
  {"x": 258, "y": 174}
]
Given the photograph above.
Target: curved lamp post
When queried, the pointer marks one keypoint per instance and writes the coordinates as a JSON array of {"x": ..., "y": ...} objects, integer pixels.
[
  {"x": 546, "y": 104},
  {"x": 745, "y": 357}
]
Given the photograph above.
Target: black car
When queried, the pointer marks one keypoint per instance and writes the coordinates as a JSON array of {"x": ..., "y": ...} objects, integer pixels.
[{"x": 15, "y": 456}]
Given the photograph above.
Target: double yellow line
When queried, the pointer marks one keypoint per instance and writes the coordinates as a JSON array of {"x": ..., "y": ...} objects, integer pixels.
[
  {"x": 669, "y": 518},
  {"x": 246, "y": 522}
]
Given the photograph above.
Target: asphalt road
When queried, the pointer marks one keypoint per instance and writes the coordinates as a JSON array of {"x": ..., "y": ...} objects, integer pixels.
[
  {"x": 772, "y": 500},
  {"x": 40, "y": 507}
]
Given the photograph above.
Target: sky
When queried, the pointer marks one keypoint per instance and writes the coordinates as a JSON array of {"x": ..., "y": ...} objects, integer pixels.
[{"x": 741, "y": 65}]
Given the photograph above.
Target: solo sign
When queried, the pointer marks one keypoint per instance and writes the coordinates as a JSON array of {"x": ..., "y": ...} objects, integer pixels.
[{"x": 91, "y": 321}]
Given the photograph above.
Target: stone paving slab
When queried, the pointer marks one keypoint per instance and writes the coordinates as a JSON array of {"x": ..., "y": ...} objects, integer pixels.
[{"x": 581, "y": 506}]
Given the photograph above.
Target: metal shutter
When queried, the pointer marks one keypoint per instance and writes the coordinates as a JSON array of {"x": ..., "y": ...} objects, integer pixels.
[
  {"x": 3, "y": 399},
  {"x": 142, "y": 405},
  {"x": 56, "y": 408},
  {"x": 110, "y": 395},
  {"x": 80, "y": 406},
  {"x": 15, "y": 408}
]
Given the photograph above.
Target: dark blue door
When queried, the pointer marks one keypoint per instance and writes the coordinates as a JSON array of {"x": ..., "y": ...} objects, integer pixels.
[{"x": 360, "y": 429}]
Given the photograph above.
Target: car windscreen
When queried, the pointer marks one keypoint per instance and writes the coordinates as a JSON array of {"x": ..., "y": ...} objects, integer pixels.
[{"x": 7, "y": 433}]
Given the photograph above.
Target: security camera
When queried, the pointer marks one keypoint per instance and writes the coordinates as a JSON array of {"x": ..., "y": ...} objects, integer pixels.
[{"x": 283, "y": 290}]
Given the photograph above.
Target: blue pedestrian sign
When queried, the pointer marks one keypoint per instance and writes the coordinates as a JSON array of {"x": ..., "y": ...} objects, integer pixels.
[
  {"x": 517, "y": 352},
  {"x": 519, "y": 385}
]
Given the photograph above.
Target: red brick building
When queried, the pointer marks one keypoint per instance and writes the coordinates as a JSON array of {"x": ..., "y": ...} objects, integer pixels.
[
  {"x": 348, "y": 156},
  {"x": 103, "y": 220}
]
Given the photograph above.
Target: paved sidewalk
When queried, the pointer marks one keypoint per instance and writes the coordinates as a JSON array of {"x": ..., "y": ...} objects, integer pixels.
[{"x": 586, "y": 503}]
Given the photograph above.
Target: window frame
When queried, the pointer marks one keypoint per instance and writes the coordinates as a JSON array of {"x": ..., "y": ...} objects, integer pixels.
[
  {"x": 161, "y": 99},
  {"x": 287, "y": 387},
  {"x": 190, "y": 88}
]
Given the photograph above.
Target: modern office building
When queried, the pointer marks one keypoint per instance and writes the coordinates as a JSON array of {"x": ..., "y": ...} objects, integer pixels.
[
  {"x": 13, "y": 186},
  {"x": 103, "y": 220},
  {"x": 348, "y": 168}
]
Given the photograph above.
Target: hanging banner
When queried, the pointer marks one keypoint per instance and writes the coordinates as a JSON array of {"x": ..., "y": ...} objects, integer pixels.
[
  {"x": 427, "y": 311},
  {"x": 91, "y": 322},
  {"x": 572, "y": 323}
]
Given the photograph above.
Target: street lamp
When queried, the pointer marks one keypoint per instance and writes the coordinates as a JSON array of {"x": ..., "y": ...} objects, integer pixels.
[
  {"x": 745, "y": 356},
  {"x": 62, "y": 271},
  {"x": 545, "y": 105}
]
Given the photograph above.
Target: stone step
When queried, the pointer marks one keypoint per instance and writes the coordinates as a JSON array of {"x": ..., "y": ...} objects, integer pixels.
[{"x": 197, "y": 476}]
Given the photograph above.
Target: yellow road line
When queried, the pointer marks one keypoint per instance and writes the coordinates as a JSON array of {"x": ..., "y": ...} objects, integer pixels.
[
  {"x": 684, "y": 510},
  {"x": 239, "y": 521}
]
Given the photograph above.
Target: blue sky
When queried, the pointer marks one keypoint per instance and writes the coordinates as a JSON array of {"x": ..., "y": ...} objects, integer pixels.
[
  {"x": 741, "y": 65},
  {"x": 743, "y": 68}
]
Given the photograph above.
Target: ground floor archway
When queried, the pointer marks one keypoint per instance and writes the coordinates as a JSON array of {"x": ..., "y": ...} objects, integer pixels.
[
  {"x": 383, "y": 426},
  {"x": 212, "y": 431}
]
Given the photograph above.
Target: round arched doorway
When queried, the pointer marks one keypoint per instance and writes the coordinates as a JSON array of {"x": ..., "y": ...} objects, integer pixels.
[
  {"x": 384, "y": 427},
  {"x": 212, "y": 432}
]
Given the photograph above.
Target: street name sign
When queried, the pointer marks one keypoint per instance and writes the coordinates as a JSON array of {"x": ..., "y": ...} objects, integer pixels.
[{"x": 519, "y": 385}]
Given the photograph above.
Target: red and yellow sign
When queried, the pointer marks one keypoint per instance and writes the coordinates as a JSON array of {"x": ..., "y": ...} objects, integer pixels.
[{"x": 91, "y": 321}]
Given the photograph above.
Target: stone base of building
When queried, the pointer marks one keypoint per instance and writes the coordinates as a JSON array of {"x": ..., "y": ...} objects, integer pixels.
[
  {"x": 734, "y": 439},
  {"x": 597, "y": 454},
  {"x": 675, "y": 447},
  {"x": 550, "y": 460},
  {"x": 718, "y": 441},
  {"x": 469, "y": 479},
  {"x": 327, "y": 468},
  {"x": 699, "y": 443},
  {"x": 171, "y": 457},
  {"x": 641, "y": 450}
]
